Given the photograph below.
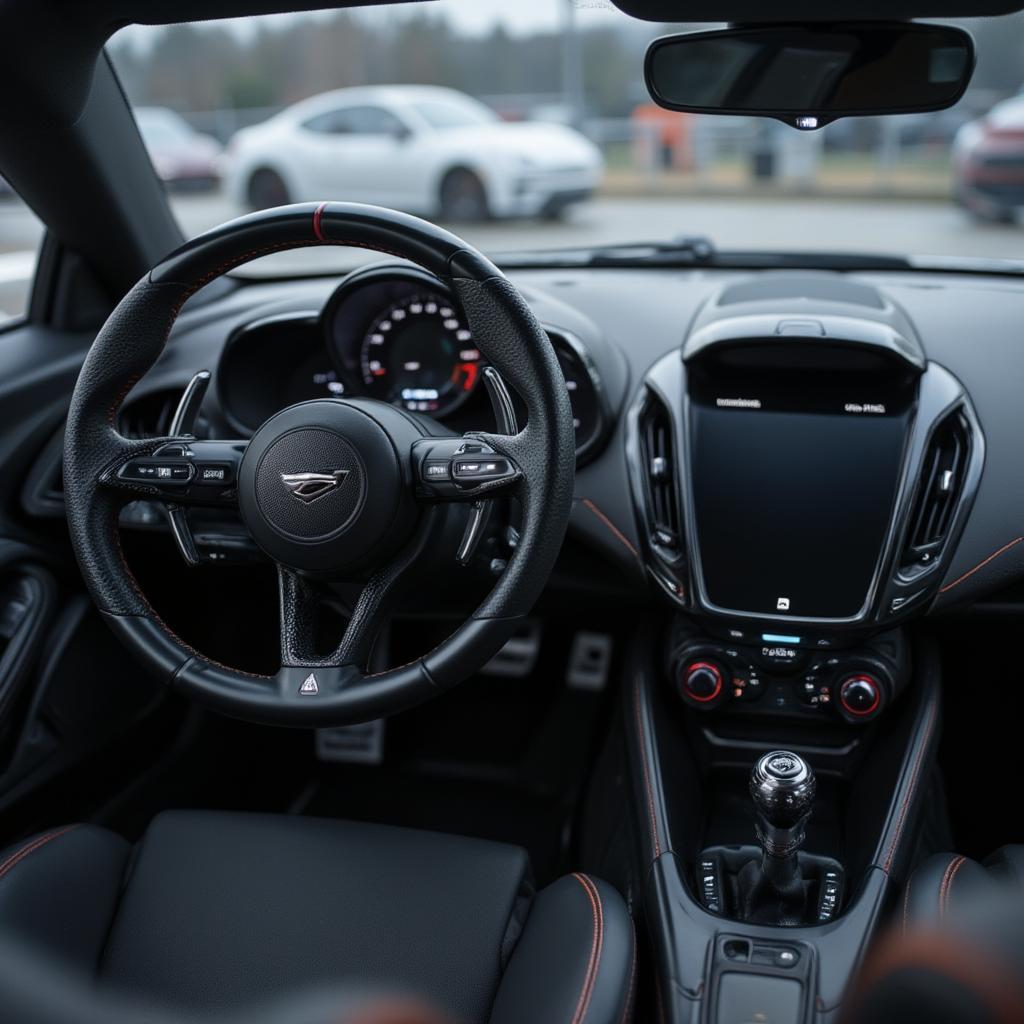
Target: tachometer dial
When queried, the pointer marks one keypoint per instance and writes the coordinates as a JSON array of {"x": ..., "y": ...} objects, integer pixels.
[{"x": 418, "y": 354}]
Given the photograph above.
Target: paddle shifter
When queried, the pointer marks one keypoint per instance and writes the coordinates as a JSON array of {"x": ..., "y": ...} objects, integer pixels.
[{"x": 778, "y": 884}]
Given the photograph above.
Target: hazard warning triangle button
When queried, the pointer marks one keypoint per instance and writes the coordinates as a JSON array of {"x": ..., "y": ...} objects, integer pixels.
[{"x": 309, "y": 686}]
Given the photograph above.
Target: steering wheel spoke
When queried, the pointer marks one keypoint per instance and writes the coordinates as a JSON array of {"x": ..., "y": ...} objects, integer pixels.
[{"x": 302, "y": 599}]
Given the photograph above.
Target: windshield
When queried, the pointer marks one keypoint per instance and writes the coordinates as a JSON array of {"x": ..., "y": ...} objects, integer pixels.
[{"x": 575, "y": 154}]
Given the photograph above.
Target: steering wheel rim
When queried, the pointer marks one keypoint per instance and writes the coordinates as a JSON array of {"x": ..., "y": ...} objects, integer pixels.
[{"x": 540, "y": 464}]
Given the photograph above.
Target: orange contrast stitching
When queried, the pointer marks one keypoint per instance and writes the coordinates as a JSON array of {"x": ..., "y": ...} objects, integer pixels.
[
  {"x": 652, "y": 818},
  {"x": 16, "y": 858},
  {"x": 904, "y": 807},
  {"x": 616, "y": 532},
  {"x": 980, "y": 565},
  {"x": 947, "y": 881},
  {"x": 595, "y": 948}
]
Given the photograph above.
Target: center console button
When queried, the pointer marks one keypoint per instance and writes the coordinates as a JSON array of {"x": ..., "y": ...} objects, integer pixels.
[
  {"x": 780, "y": 656},
  {"x": 860, "y": 695},
  {"x": 746, "y": 684},
  {"x": 702, "y": 681}
]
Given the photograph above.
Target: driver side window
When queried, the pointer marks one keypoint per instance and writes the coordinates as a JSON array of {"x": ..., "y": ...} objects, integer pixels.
[
  {"x": 365, "y": 120},
  {"x": 20, "y": 234}
]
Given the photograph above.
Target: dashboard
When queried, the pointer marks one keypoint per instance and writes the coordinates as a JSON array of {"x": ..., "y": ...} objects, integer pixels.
[
  {"x": 747, "y": 493},
  {"x": 393, "y": 334}
]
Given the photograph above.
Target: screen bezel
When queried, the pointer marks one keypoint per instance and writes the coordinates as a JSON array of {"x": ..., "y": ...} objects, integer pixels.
[{"x": 843, "y": 352}]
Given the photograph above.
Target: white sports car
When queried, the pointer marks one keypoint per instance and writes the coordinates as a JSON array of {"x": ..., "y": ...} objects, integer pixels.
[{"x": 422, "y": 149}]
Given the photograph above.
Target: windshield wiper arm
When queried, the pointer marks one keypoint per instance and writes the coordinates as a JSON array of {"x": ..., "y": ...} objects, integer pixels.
[{"x": 686, "y": 250}]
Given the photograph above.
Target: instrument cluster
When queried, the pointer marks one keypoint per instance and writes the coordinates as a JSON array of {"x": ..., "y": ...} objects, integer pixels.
[
  {"x": 394, "y": 334},
  {"x": 400, "y": 339}
]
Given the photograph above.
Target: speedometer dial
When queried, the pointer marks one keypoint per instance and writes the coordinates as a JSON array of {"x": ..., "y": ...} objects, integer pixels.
[{"x": 418, "y": 354}]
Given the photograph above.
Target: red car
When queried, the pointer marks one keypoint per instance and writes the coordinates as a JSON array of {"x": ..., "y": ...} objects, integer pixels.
[
  {"x": 988, "y": 163},
  {"x": 184, "y": 158}
]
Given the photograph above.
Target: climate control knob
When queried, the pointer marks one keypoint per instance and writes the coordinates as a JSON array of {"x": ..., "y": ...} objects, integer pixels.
[
  {"x": 702, "y": 682},
  {"x": 860, "y": 696}
]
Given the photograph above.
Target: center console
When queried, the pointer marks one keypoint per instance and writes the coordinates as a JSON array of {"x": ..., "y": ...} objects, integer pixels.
[{"x": 801, "y": 473}]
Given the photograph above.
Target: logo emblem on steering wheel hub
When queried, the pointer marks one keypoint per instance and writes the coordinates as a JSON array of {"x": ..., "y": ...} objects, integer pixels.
[{"x": 308, "y": 487}]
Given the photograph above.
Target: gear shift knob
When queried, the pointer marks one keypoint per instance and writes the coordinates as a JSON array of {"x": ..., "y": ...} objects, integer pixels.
[{"x": 782, "y": 786}]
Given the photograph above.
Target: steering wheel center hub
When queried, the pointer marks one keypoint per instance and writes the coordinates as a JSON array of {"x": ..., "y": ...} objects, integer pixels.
[
  {"x": 310, "y": 485},
  {"x": 322, "y": 488}
]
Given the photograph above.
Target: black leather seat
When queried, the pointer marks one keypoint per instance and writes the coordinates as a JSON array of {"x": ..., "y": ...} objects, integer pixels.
[
  {"x": 214, "y": 910},
  {"x": 946, "y": 882},
  {"x": 956, "y": 955}
]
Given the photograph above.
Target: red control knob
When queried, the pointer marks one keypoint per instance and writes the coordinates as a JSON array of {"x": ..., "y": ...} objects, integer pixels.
[
  {"x": 860, "y": 695},
  {"x": 702, "y": 681}
]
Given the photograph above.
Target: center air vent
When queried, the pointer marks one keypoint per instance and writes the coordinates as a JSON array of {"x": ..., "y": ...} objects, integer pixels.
[
  {"x": 660, "y": 469},
  {"x": 938, "y": 493}
]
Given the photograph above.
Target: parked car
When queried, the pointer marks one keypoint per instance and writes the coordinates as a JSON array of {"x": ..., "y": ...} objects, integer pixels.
[
  {"x": 183, "y": 157},
  {"x": 988, "y": 162},
  {"x": 427, "y": 150}
]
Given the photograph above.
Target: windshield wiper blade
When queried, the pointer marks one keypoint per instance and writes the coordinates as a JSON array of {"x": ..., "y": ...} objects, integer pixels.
[
  {"x": 700, "y": 252},
  {"x": 687, "y": 250}
]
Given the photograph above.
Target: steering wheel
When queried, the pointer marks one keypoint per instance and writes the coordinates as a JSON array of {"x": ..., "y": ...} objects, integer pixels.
[{"x": 335, "y": 489}]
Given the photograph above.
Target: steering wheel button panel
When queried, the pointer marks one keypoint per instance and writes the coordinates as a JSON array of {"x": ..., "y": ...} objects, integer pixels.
[
  {"x": 481, "y": 469},
  {"x": 214, "y": 473},
  {"x": 157, "y": 471},
  {"x": 454, "y": 468}
]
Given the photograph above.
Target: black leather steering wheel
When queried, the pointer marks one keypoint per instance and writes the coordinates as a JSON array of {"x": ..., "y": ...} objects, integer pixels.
[{"x": 331, "y": 488}]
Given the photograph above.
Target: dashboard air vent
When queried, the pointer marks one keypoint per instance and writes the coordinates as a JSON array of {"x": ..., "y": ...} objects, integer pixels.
[
  {"x": 585, "y": 395},
  {"x": 657, "y": 450},
  {"x": 939, "y": 490}
]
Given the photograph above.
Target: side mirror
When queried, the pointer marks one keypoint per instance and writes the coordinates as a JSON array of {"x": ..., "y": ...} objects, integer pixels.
[
  {"x": 810, "y": 75},
  {"x": 401, "y": 132}
]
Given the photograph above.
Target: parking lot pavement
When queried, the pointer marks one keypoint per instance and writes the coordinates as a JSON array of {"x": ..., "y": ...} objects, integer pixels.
[{"x": 786, "y": 222}]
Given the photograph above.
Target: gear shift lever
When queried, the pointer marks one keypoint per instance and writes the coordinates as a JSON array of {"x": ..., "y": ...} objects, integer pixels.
[
  {"x": 782, "y": 786},
  {"x": 772, "y": 889},
  {"x": 774, "y": 883}
]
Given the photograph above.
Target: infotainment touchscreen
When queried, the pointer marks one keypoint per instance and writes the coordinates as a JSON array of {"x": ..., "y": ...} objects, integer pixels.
[{"x": 793, "y": 481}]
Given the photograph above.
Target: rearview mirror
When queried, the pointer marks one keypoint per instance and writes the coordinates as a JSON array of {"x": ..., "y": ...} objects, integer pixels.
[{"x": 809, "y": 75}]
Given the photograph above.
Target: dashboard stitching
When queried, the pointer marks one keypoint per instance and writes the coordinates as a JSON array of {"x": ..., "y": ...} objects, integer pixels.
[
  {"x": 652, "y": 817},
  {"x": 981, "y": 565},
  {"x": 616, "y": 532},
  {"x": 905, "y": 806}
]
